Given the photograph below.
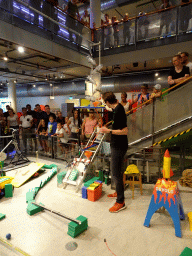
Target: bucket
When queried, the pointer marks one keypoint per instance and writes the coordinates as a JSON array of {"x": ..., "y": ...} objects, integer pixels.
[{"x": 190, "y": 220}]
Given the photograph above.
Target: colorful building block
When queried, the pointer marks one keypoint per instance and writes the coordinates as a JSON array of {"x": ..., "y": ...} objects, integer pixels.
[
  {"x": 75, "y": 229},
  {"x": 84, "y": 192},
  {"x": 8, "y": 190},
  {"x": 32, "y": 209},
  {"x": 30, "y": 195},
  {"x": 186, "y": 252},
  {"x": 2, "y": 216}
]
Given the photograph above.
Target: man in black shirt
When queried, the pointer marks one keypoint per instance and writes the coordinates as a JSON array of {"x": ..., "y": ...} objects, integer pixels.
[
  {"x": 48, "y": 113},
  {"x": 178, "y": 73},
  {"x": 119, "y": 146},
  {"x": 39, "y": 115}
]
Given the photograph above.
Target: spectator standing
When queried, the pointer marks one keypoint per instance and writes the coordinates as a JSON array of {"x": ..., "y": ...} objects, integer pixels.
[
  {"x": 48, "y": 113},
  {"x": 178, "y": 73},
  {"x": 74, "y": 124},
  {"x": 119, "y": 146},
  {"x": 72, "y": 11},
  {"x": 185, "y": 61},
  {"x": 107, "y": 31},
  {"x": 26, "y": 123},
  {"x": 39, "y": 115},
  {"x": 124, "y": 101},
  {"x": 2, "y": 121},
  {"x": 36, "y": 5},
  {"x": 143, "y": 96},
  {"x": 12, "y": 120},
  {"x": 60, "y": 118},
  {"x": 142, "y": 23},
  {"x": 51, "y": 129},
  {"x": 115, "y": 31},
  {"x": 166, "y": 16},
  {"x": 6, "y": 114},
  {"x": 60, "y": 134},
  {"x": 89, "y": 125},
  {"x": 126, "y": 28},
  {"x": 42, "y": 135},
  {"x": 156, "y": 92},
  {"x": 185, "y": 14},
  {"x": 33, "y": 114}
]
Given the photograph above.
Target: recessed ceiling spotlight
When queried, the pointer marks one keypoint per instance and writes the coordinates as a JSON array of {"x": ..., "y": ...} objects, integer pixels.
[
  {"x": 15, "y": 81},
  {"x": 51, "y": 84},
  {"x": 34, "y": 85},
  {"x": 159, "y": 78},
  {"x": 5, "y": 58},
  {"x": 156, "y": 74},
  {"x": 21, "y": 49}
]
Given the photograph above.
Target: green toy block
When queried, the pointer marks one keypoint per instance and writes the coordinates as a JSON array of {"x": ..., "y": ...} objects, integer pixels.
[
  {"x": 74, "y": 229},
  {"x": 8, "y": 190},
  {"x": 60, "y": 176},
  {"x": 30, "y": 196},
  {"x": 2, "y": 216},
  {"x": 32, "y": 209},
  {"x": 186, "y": 252},
  {"x": 89, "y": 182}
]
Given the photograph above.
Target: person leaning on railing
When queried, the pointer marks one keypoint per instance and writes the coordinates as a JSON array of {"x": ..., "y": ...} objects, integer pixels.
[{"x": 178, "y": 73}]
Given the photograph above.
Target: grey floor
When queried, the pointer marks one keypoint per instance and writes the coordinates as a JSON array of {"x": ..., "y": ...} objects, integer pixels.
[{"x": 45, "y": 234}]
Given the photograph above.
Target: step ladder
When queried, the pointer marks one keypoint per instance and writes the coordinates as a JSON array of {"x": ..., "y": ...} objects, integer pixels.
[{"x": 77, "y": 171}]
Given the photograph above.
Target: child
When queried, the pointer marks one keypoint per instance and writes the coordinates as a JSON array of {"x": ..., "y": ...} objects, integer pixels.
[
  {"x": 156, "y": 92},
  {"x": 66, "y": 135},
  {"x": 42, "y": 132},
  {"x": 99, "y": 135},
  {"x": 52, "y": 126},
  {"x": 60, "y": 133}
]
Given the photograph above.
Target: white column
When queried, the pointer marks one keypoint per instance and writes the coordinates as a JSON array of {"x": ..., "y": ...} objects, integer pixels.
[
  {"x": 12, "y": 95},
  {"x": 95, "y": 13}
]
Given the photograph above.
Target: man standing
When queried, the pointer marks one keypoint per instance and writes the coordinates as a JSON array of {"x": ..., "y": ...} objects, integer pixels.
[
  {"x": 26, "y": 122},
  {"x": 178, "y": 73},
  {"x": 119, "y": 146},
  {"x": 185, "y": 61},
  {"x": 39, "y": 115},
  {"x": 48, "y": 113}
]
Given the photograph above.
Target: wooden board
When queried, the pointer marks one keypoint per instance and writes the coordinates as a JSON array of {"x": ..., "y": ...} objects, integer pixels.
[{"x": 25, "y": 173}]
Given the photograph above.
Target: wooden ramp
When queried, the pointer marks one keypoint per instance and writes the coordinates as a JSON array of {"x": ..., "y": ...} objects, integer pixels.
[{"x": 26, "y": 173}]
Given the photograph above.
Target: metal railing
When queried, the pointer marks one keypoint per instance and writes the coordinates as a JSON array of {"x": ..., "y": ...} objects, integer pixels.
[
  {"x": 154, "y": 117},
  {"x": 152, "y": 26}
]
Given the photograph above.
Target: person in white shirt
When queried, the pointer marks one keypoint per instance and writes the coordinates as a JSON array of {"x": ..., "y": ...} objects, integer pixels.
[
  {"x": 124, "y": 101},
  {"x": 185, "y": 61},
  {"x": 60, "y": 134},
  {"x": 26, "y": 122}
]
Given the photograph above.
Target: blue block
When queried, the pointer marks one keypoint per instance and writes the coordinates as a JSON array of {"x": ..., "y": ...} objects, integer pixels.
[{"x": 84, "y": 192}]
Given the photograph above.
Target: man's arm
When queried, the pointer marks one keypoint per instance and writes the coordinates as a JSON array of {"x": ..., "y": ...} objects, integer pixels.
[{"x": 124, "y": 131}]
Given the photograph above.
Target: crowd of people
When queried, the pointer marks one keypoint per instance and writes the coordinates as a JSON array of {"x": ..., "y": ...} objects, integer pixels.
[{"x": 109, "y": 34}]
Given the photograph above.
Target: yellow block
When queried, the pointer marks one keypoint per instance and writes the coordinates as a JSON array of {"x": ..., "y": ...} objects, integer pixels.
[
  {"x": 190, "y": 220},
  {"x": 166, "y": 167}
]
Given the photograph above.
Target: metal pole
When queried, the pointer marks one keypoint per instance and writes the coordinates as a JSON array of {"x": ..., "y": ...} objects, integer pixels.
[
  {"x": 99, "y": 52},
  {"x": 58, "y": 213}
]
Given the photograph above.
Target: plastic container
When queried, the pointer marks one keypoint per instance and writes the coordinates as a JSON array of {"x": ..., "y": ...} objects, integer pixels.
[
  {"x": 190, "y": 220},
  {"x": 94, "y": 195}
]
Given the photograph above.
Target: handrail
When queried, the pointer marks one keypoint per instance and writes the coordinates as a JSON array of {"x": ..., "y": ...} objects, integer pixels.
[
  {"x": 149, "y": 101},
  {"x": 47, "y": 17},
  {"x": 146, "y": 14}
]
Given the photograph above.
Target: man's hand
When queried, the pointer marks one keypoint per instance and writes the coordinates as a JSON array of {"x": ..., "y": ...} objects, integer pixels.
[{"x": 104, "y": 130}]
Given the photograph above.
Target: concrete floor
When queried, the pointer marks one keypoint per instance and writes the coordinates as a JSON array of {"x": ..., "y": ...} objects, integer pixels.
[{"x": 45, "y": 234}]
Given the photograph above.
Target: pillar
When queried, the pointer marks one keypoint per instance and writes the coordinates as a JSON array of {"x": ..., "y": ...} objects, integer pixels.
[
  {"x": 95, "y": 13},
  {"x": 12, "y": 95}
]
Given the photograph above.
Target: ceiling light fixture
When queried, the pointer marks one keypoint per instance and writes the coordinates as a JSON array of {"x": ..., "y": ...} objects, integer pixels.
[
  {"x": 51, "y": 84},
  {"x": 21, "y": 49},
  {"x": 34, "y": 85},
  {"x": 15, "y": 81},
  {"x": 5, "y": 58},
  {"x": 156, "y": 74}
]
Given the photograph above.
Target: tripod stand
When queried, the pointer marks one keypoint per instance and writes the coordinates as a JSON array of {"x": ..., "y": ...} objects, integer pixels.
[{"x": 18, "y": 158}]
